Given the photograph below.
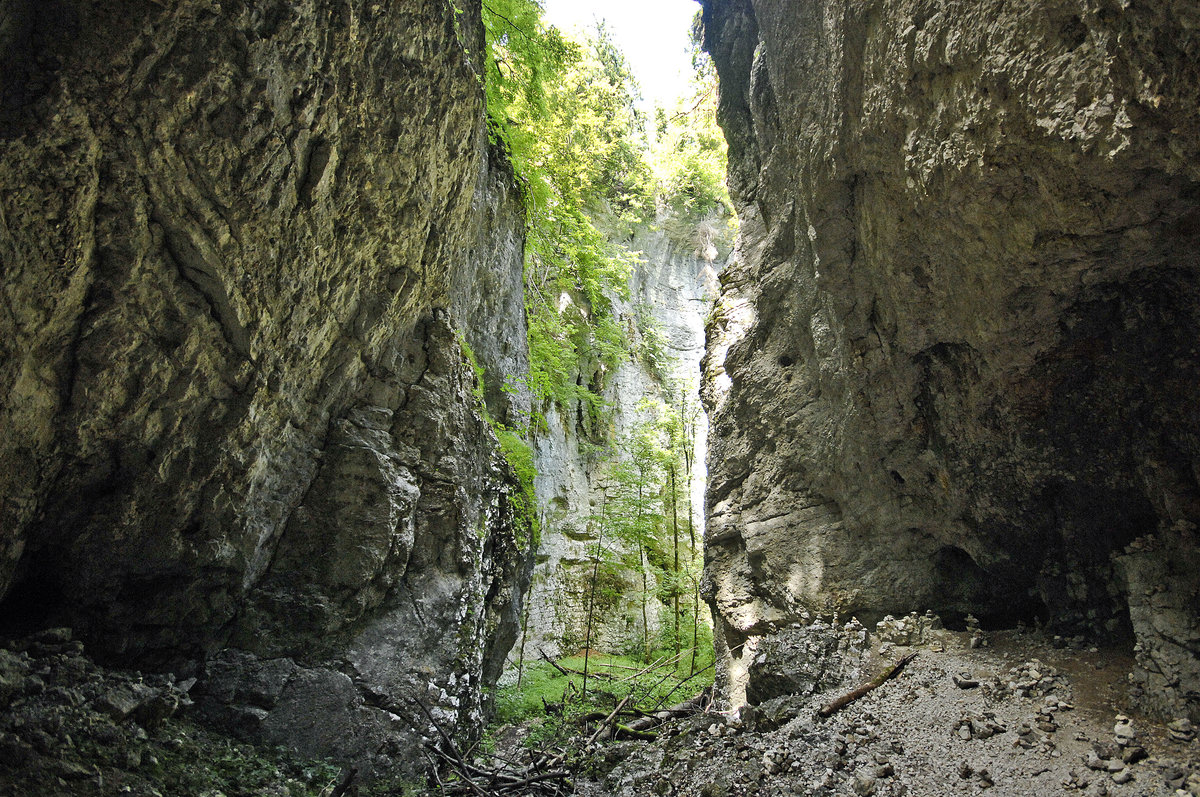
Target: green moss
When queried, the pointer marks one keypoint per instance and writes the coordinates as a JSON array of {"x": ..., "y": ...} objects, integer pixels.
[
  {"x": 520, "y": 456},
  {"x": 516, "y": 451}
]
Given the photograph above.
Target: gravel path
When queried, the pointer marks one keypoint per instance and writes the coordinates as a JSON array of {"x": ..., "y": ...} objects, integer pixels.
[{"x": 1015, "y": 717}]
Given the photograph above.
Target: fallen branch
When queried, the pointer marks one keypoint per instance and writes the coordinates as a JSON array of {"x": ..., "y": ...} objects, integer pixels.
[
  {"x": 568, "y": 671},
  {"x": 450, "y": 755},
  {"x": 543, "y": 777},
  {"x": 610, "y": 718},
  {"x": 691, "y": 706},
  {"x": 836, "y": 705},
  {"x": 696, "y": 674},
  {"x": 499, "y": 782},
  {"x": 658, "y": 664},
  {"x": 633, "y": 733}
]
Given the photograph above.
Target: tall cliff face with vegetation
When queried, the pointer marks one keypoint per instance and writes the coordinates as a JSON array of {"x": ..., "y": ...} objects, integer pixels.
[
  {"x": 606, "y": 504},
  {"x": 628, "y": 221},
  {"x": 238, "y": 434},
  {"x": 954, "y": 364}
]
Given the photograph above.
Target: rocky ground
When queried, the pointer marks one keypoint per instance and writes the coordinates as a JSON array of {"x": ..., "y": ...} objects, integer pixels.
[
  {"x": 1008, "y": 713},
  {"x": 69, "y": 727},
  {"x": 1013, "y": 716}
]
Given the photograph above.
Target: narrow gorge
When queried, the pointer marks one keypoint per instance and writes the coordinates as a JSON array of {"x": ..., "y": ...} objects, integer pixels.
[{"x": 367, "y": 364}]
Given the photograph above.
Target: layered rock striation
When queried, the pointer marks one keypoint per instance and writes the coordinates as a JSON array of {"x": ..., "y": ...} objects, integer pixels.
[
  {"x": 238, "y": 434},
  {"x": 954, "y": 362}
]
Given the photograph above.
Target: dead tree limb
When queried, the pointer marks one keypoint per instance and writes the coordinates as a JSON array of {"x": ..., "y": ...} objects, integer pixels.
[
  {"x": 568, "y": 671},
  {"x": 604, "y": 723},
  {"x": 633, "y": 733},
  {"x": 659, "y": 663},
  {"x": 450, "y": 754},
  {"x": 834, "y": 706},
  {"x": 676, "y": 687},
  {"x": 693, "y": 706}
]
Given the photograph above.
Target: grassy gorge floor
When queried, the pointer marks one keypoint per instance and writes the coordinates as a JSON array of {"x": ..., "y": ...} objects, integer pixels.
[{"x": 544, "y": 690}]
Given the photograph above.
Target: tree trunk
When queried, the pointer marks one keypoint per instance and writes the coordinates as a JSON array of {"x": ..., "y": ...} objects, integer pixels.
[
  {"x": 695, "y": 623},
  {"x": 587, "y": 635},
  {"x": 675, "y": 549},
  {"x": 524, "y": 634},
  {"x": 645, "y": 591}
]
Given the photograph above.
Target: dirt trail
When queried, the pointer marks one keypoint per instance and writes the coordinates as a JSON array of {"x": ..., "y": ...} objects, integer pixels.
[{"x": 1027, "y": 719}]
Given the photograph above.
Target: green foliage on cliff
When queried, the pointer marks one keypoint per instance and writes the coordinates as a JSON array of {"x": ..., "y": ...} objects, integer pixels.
[
  {"x": 517, "y": 452},
  {"x": 565, "y": 113},
  {"x": 689, "y": 152},
  {"x": 591, "y": 173},
  {"x": 520, "y": 457}
]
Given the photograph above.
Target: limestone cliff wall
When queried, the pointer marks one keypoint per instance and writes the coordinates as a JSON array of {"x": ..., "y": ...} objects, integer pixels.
[
  {"x": 674, "y": 286},
  {"x": 954, "y": 362},
  {"x": 237, "y": 431}
]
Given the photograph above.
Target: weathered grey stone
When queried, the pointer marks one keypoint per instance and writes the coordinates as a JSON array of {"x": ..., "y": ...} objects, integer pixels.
[
  {"x": 13, "y": 671},
  {"x": 953, "y": 362},
  {"x": 321, "y": 710},
  {"x": 802, "y": 660},
  {"x": 487, "y": 292},
  {"x": 13, "y": 751},
  {"x": 118, "y": 702},
  {"x": 235, "y": 676},
  {"x": 234, "y": 410},
  {"x": 1162, "y": 580}
]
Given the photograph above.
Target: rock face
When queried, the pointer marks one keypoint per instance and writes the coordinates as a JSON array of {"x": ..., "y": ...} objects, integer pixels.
[
  {"x": 954, "y": 362},
  {"x": 673, "y": 288},
  {"x": 234, "y": 413}
]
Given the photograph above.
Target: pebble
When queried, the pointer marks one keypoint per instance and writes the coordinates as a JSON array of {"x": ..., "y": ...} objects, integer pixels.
[
  {"x": 985, "y": 726},
  {"x": 72, "y": 770}
]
